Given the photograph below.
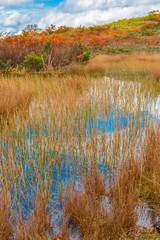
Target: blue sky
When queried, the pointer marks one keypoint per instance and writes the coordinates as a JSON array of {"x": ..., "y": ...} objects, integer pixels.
[{"x": 15, "y": 15}]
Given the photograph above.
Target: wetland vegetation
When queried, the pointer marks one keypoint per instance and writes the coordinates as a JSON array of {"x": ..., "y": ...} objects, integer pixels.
[{"x": 80, "y": 148}]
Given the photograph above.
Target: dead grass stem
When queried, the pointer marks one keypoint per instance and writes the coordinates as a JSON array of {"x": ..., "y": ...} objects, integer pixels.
[
  {"x": 95, "y": 220},
  {"x": 155, "y": 75},
  {"x": 94, "y": 184},
  {"x": 12, "y": 99},
  {"x": 151, "y": 167},
  {"x": 38, "y": 225},
  {"x": 6, "y": 226}
]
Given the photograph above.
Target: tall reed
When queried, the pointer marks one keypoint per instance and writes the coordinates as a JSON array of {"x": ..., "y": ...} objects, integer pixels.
[
  {"x": 75, "y": 125},
  {"x": 6, "y": 223},
  {"x": 12, "y": 99}
]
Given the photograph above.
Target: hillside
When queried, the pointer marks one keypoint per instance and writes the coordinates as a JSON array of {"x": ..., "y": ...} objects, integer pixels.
[{"x": 54, "y": 47}]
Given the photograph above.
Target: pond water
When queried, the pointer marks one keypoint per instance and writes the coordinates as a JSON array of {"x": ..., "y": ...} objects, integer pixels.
[{"x": 47, "y": 150}]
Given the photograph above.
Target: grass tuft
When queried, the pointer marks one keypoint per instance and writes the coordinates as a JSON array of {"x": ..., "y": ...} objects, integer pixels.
[
  {"x": 151, "y": 168},
  {"x": 6, "y": 226},
  {"x": 38, "y": 225},
  {"x": 12, "y": 99},
  {"x": 156, "y": 74},
  {"x": 94, "y": 219},
  {"x": 94, "y": 184}
]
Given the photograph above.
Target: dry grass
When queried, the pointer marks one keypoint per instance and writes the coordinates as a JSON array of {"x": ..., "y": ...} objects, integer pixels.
[
  {"x": 38, "y": 225},
  {"x": 108, "y": 58},
  {"x": 103, "y": 63},
  {"x": 79, "y": 210},
  {"x": 94, "y": 184},
  {"x": 133, "y": 61},
  {"x": 86, "y": 210},
  {"x": 6, "y": 226},
  {"x": 91, "y": 67},
  {"x": 124, "y": 194},
  {"x": 11, "y": 99},
  {"x": 152, "y": 149},
  {"x": 63, "y": 235},
  {"x": 84, "y": 207},
  {"x": 148, "y": 57},
  {"x": 96, "y": 65},
  {"x": 155, "y": 75},
  {"x": 76, "y": 83},
  {"x": 81, "y": 206},
  {"x": 76, "y": 68},
  {"x": 151, "y": 166}
]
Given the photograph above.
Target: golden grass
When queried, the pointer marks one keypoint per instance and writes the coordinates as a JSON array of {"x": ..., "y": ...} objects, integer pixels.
[
  {"x": 91, "y": 67},
  {"x": 124, "y": 192},
  {"x": 61, "y": 107},
  {"x": 79, "y": 209},
  {"x": 84, "y": 208},
  {"x": 96, "y": 65},
  {"x": 108, "y": 58},
  {"x": 76, "y": 68},
  {"x": 155, "y": 75},
  {"x": 76, "y": 83},
  {"x": 94, "y": 184},
  {"x": 151, "y": 167},
  {"x": 38, "y": 225},
  {"x": 12, "y": 99},
  {"x": 109, "y": 63},
  {"x": 63, "y": 235},
  {"x": 148, "y": 57},
  {"x": 6, "y": 225}
]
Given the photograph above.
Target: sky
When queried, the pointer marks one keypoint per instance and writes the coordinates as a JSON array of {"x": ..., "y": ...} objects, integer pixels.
[{"x": 15, "y": 15}]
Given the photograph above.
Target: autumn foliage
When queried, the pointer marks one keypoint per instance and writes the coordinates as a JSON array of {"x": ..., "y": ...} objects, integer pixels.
[{"x": 59, "y": 47}]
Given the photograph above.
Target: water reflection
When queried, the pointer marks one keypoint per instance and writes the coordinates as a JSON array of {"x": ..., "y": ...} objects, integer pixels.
[{"x": 49, "y": 155}]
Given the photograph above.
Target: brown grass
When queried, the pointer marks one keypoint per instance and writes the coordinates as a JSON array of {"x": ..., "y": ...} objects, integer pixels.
[
  {"x": 124, "y": 194},
  {"x": 108, "y": 58},
  {"x": 79, "y": 210},
  {"x": 86, "y": 208},
  {"x": 81, "y": 206},
  {"x": 96, "y": 65},
  {"x": 92, "y": 217},
  {"x": 151, "y": 168},
  {"x": 148, "y": 57},
  {"x": 63, "y": 235},
  {"x": 76, "y": 83},
  {"x": 155, "y": 75},
  {"x": 76, "y": 68},
  {"x": 96, "y": 213},
  {"x": 102, "y": 63},
  {"x": 91, "y": 67},
  {"x": 94, "y": 184},
  {"x": 6, "y": 226},
  {"x": 12, "y": 99},
  {"x": 38, "y": 225}
]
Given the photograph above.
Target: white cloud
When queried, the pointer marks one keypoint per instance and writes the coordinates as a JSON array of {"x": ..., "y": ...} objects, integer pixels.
[
  {"x": 14, "y": 19},
  {"x": 13, "y": 2},
  {"x": 94, "y": 12},
  {"x": 81, "y": 5}
]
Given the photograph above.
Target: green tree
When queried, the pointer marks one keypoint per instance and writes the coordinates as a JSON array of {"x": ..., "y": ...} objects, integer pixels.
[{"x": 33, "y": 61}]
